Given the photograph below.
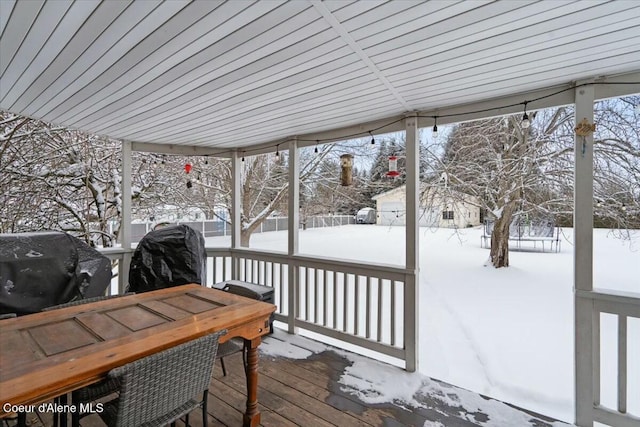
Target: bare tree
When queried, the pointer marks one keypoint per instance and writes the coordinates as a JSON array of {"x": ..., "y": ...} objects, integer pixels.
[
  {"x": 530, "y": 171},
  {"x": 56, "y": 178}
]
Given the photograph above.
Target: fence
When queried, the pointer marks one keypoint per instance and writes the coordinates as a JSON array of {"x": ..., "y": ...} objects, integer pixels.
[{"x": 214, "y": 228}]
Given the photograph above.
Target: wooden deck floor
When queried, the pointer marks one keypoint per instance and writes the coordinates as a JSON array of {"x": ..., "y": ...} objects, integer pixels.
[{"x": 307, "y": 393}]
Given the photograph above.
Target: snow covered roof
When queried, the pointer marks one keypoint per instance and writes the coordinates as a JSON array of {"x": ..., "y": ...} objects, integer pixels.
[
  {"x": 223, "y": 74},
  {"x": 429, "y": 190}
]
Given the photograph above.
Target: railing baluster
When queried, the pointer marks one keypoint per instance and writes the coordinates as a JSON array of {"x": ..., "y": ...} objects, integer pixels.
[
  {"x": 307, "y": 307},
  {"x": 316, "y": 299},
  {"x": 368, "y": 308},
  {"x": 596, "y": 357},
  {"x": 393, "y": 312},
  {"x": 380, "y": 310},
  {"x": 622, "y": 363},
  {"x": 326, "y": 298},
  {"x": 356, "y": 311},
  {"x": 335, "y": 299},
  {"x": 281, "y": 285},
  {"x": 345, "y": 300}
]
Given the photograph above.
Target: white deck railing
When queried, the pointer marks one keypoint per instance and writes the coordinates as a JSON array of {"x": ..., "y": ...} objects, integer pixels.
[
  {"x": 353, "y": 302},
  {"x": 623, "y": 305}
]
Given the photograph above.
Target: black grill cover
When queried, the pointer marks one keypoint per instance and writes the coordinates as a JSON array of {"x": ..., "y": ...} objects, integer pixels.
[
  {"x": 169, "y": 256},
  {"x": 41, "y": 269}
]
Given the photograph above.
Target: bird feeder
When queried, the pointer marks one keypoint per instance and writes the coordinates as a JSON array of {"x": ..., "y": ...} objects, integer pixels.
[
  {"x": 393, "y": 167},
  {"x": 346, "y": 163},
  {"x": 187, "y": 167}
]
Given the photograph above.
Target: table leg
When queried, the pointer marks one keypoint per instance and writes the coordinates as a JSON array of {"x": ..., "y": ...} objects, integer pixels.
[{"x": 251, "y": 417}]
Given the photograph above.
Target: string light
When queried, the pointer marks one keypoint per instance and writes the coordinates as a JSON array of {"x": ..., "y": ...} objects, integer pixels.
[
  {"x": 243, "y": 156},
  {"x": 277, "y": 151},
  {"x": 526, "y": 123},
  {"x": 435, "y": 127},
  {"x": 525, "y": 118},
  {"x": 316, "y": 149}
]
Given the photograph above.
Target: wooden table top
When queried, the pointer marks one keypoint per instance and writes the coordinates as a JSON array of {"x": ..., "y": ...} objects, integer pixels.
[{"x": 46, "y": 354}]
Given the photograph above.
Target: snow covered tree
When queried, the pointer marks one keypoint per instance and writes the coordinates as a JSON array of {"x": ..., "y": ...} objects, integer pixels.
[
  {"x": 265, "y": 185},
  {"x": 57, "y": 178},
  {"x": 530, "y": 171}
]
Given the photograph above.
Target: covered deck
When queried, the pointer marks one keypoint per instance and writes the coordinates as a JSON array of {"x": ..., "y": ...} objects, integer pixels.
[{"x": 230, "y": 79}]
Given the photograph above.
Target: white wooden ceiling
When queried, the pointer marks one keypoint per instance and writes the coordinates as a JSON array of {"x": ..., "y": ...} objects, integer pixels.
[{"x": 238, "y": 73}]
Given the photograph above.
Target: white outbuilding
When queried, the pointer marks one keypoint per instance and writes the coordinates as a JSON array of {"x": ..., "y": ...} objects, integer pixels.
[{"x": 439, "y": 207}]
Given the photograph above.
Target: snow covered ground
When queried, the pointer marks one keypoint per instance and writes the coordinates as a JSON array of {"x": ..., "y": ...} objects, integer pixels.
[{"x": 506, "y": 333}]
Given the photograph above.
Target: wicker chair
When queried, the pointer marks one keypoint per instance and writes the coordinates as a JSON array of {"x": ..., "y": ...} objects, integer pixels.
[
  {"x": 234, "y": 345},
  {"x": 91, "y": 392},
  {"x": 85, "y": 301},
  {"x": 159, "y": 389}
]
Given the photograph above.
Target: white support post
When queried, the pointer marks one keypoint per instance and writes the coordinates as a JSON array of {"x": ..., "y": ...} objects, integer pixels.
[
  {"x": 583, "y": 262},
  {"x": 125, "y": 226},
  {"x": 293, "y": 232},
  {"x": 236, "y": 206},
  {"x": 411, "y": 294}
]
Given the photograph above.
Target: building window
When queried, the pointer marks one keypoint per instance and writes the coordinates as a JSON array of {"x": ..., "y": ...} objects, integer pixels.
[{"x": 447, "y": 214}]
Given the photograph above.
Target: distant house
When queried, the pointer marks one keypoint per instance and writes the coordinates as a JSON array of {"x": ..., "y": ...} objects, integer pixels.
[{"x": 439, "y": 207}]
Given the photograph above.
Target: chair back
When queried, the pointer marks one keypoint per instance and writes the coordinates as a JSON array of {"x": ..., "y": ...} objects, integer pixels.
[
  {"x": 157, "y": 385},
  {"x": 86, "y": 301}
]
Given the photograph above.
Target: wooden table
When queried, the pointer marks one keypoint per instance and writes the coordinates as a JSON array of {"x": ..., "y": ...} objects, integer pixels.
[{"x": 48, "y": 354}]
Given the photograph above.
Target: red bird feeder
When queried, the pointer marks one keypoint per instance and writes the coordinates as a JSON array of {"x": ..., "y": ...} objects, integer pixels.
[
  {"x": 393, "y": 167},
  {"x": 187, "y": 167}
]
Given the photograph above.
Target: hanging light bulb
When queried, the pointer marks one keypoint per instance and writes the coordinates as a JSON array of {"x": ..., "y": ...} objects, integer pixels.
[
  {"x": 316, "y": 149},
  {"x": 525, "y": 118},
  {"x": 373, "y": 140},
  {"x": 277, "y": 152},
  {"x": 434, "y": 133}
]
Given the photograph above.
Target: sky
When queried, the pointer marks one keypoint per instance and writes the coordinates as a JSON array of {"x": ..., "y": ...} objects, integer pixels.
[{"x": 506, "y": 333}]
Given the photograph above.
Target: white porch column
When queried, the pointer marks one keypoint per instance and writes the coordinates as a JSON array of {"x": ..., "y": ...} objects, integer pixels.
[
  {"x": 236, "y": 223},
  {"x": 411, "y": 294},
  {"x": 293, "y": 230},
  {"x": 585, "y": 391},
  {"x": 125, "y": 226}
]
